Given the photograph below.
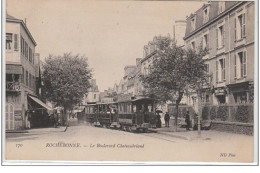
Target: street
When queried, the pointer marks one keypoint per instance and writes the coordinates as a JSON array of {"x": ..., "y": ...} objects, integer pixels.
[{"x": 87, "y": 143}]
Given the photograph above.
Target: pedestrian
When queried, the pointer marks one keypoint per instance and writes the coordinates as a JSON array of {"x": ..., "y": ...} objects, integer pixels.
[
  {"x": 159, "y": 122},
  {"x": 187, "y": 120},
  {"x": 166, "y": 119}
]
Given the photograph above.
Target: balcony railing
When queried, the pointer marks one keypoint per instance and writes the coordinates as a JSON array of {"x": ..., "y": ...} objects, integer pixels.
[{"x": 12, "y": 86}]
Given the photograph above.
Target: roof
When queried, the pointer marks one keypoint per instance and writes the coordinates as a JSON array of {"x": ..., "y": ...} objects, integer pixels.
[
  {"x": 10, "y": 18},
  {"x": 213, "y": 14},
  {"x": 149, "y": 56}
]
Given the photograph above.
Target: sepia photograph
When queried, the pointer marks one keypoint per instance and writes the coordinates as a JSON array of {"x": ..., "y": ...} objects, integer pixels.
[{"x": 129, "y": 82}]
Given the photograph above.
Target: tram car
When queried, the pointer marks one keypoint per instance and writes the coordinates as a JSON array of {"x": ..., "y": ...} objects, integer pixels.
[
  {"x": 137, "y": 114},
  {"x": 90, "y": 113},
  {"x": 107, "y": 115}
]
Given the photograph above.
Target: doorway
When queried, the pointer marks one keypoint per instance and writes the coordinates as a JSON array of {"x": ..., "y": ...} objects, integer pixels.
[{"x": 9, "y": 117}]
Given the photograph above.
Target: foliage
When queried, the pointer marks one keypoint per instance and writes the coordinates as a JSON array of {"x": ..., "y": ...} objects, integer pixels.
[
  {"x": 222, "y": 113},
  {"x": 213, "y": 114},
  {"x": 174, "y": 71},
  {"x": 66, "y": 79},
  {"x": 205, "y": 113},
  {"x": 242, "y": 114}
]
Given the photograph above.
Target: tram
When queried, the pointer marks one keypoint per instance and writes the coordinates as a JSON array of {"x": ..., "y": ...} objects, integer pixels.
[
  {"x": 90, "y": 113},
  {"x": 107, "y": 115},
  {"x": 135, "y": 114}
]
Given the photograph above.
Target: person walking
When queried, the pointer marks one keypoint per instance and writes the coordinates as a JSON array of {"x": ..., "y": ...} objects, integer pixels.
[
  {"x": 187, "y": 120},
  {"x": 166, "y": 119}
]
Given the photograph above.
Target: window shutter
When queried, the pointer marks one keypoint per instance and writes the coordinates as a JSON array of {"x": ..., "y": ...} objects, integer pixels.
[
  {"x": 244, "y": 64},
  {"x": 223, "y": 36},
  {"x": 217, "y": 71},
  {"x": 208, "y": 41},
  {"x": 22, "y": 76},
  {"x": 217, "y": 37},
  {"x": 243, "y": 25},
  {"x": 224, "y": 69},
  {"x": 235, "y": 65},
  {"x": 15, "y": 42},
  {"x": 22, "y": 44},
  {"x": 235, "y": 29}
]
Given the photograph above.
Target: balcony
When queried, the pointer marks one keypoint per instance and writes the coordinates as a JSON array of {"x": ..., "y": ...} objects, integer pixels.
[{"x": 13, "y": 86}]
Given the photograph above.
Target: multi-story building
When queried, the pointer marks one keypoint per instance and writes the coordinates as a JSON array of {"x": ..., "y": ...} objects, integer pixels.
[
  {"x": 93, "y": 93},
  {"x": 226, "y": 29},
  {"x": 22, "y": 70},
  {"x": 179, "y": 29}
]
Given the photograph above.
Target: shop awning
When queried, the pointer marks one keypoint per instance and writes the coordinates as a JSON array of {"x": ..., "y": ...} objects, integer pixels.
[{"x": 41, "y": 103}]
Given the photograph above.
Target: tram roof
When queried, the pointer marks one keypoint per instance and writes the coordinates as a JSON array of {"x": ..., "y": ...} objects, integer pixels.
[{"x": 136, "y": 99}]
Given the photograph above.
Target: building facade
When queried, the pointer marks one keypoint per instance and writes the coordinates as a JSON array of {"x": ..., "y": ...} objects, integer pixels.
[
  {"x": 93, "y": 93},
  {"x": 179, "y": 29},
  {"x": 226, "y": 29},
  {"x": 21, "y": 73}
]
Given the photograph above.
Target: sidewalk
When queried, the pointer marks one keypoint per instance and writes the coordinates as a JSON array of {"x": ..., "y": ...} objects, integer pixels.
[
  {"x": 182, "y": 133},
  {"x": 39, "y": 130}
]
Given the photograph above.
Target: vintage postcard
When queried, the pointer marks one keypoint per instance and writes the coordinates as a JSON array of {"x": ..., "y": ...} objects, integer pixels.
[{"x": 126, "y": 82}]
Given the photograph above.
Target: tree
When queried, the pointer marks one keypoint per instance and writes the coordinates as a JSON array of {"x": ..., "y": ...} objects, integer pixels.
[
  {"x": 66, "y": 79},
  {"x": 174, "y": 70}
]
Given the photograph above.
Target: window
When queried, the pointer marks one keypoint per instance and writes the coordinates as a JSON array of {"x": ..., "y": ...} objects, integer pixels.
[
  {"x": 9, "y": 40},
  {"x": 240, "y": 63},
  {"x": 240, "y": 27},
  {"x": 22, "y": 45},
  {"x": 207, "y": 72},
  {"x": 221, "y": 6},
  {"x": 205, "y": 42},
  {"x": 15, "y": 42},
  {"x": 193, "y": 45},
  {"x": 30, "y": 54},
  {"x": 205, "y": 96},
  {"x": 22, "y": 76},
  {"x": 221, "y": 70},
  {"x": 220, "y": 32},
  {"x": 26, "y": 78},
  {"x": 94, "y": 96},
  {"x": 193, "y": 21},
  {"x": 221, "y": 99},
  {"x": 26, "y": 50},
  {"x": 205, "y": 15},
  {"x": 32, "y": 57},
  {"x": 240, "y": 97}
]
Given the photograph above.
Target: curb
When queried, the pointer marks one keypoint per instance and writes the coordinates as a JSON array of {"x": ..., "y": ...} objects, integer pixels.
[
  {"x": 22, "y": 131},
  {"x": 33, "y": 131},
  {"x": 172, "y": 135}
]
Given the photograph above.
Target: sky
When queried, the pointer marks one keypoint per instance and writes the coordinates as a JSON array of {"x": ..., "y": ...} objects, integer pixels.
[{"x": 111, "y": 34}]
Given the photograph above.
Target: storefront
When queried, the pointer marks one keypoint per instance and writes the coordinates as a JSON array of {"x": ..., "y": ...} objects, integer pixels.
[
  {"x": 39, "y": 114},
  {"x": 241, "y": 93}
]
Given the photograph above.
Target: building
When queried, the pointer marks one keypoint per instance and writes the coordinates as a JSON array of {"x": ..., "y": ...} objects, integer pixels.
[
  {"x": 227, "y": 30},
  {"x": 179, "y": 29},
  {"x": 93, "y": 93},
  {"x": 22, "y": 71},
  {"x": 150, "y": 53}
]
